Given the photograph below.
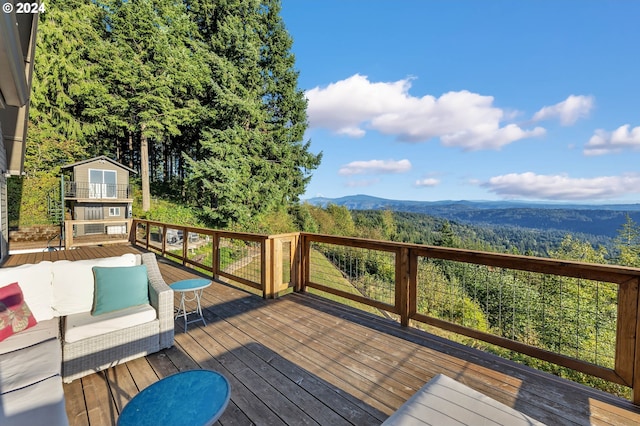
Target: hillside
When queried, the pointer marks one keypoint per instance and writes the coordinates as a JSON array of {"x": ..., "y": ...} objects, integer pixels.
[{"x": 596, "y": 220}]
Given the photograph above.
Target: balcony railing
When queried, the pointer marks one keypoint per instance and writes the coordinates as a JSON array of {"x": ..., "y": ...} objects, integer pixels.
[
  {"x": 581, "y": 316},
  {"x": 78, "y": 233},
  {"x": 98, "y": 191},
  {"x": 259, "y": 261}
]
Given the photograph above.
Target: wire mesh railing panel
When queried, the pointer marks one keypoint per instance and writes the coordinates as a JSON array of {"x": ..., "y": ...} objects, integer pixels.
[
  {"x": 569, "y": 316},
  {"x": 200, "y": 248},
  {"x": 363, "y": 271},
  {"x": 155, "y": 236},
  {"x": 240, "y": 258},
  {"x": 141, "y": 231}
]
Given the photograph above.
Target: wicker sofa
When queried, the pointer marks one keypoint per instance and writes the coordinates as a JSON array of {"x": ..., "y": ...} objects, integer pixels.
[{"x": 69, "y": 342}]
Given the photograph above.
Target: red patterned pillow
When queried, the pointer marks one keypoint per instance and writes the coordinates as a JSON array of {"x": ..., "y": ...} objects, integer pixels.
[{"x": 15, "y": 315}]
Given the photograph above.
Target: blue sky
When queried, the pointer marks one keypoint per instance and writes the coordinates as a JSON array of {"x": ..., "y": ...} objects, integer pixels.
[{"x": 473, "y": 100}]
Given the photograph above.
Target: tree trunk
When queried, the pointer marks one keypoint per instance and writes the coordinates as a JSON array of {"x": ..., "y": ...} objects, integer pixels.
[
  {"x": 144, "y": 171},
  {"x": 130, "y": 150}
]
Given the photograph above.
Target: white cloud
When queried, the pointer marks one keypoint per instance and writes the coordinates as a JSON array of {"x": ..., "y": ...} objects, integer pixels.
[
  {"x": 427, "y": 182},
  {"x": 461, "y": 119},
  {"x": 562, "y": 187},
  {"x": 603, "y": 142},
  {"x": 375, "y": 167},
  {"x": 567, "y": 111}
]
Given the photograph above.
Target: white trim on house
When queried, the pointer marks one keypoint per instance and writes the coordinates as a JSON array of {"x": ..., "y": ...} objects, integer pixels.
[{"x": 103, "y": 189}]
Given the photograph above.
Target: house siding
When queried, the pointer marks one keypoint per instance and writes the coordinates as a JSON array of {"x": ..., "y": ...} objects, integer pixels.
[
  {"x": 82, "y": 207},
  {"x": 4, "y": 207},
  {"x": 81, "y": 172}
]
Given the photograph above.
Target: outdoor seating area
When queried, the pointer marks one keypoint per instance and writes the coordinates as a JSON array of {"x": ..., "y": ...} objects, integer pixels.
[{"x": 302, "y": 359}]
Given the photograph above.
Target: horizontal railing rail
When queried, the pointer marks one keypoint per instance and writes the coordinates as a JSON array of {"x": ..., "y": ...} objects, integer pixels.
[
  {"x": 98, "y": 191},
  {"x": 576, "y": 315}
]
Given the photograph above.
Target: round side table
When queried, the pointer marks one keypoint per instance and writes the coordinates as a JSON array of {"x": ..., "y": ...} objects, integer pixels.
[
  {"x": 197, "y": 286},
  {"x": 189, "y": 398}
]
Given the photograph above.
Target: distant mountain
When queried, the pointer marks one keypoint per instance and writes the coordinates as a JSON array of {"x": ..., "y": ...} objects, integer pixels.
[{"x": 593, "y": 219}]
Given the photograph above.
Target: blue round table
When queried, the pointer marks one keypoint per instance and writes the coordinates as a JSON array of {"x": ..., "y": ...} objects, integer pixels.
[
  {"x": 190, "y": 398},
  {"x": 197, "y": 285}
]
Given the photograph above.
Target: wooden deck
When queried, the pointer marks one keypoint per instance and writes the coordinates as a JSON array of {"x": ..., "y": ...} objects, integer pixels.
[{"x": 301, "y": 359}]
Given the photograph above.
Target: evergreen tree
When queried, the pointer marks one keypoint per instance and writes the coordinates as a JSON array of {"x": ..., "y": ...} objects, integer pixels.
[
  {"x": 447, "y": 237},
  {"x": 64, "y": 77},
  {"x": 628, "y": 243},
  {"x": 251, "y": 159},
  {"x": 155, "y": 69}
]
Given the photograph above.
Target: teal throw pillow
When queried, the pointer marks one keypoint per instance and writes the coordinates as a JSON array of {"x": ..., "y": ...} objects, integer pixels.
[{"x": 119, "y": 288}]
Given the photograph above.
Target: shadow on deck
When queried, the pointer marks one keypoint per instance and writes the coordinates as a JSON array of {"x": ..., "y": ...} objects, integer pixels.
[{"x": 301, "y": 359}]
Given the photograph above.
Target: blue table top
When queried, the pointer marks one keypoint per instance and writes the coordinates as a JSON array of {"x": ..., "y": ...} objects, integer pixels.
[
  {"x": 191, "y": 284},
  {"x": 190, "y": 398}
]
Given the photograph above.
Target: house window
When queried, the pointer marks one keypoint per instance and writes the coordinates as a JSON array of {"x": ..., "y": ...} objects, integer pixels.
[
  {"x": 102, "y": 183},
  {"x": 114, "y": 211}
]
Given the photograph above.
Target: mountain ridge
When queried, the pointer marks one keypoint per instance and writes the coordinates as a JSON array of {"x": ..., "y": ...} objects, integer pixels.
[
  {"x": 360, "y": 199},
  {"x": 596, "y": 219}
]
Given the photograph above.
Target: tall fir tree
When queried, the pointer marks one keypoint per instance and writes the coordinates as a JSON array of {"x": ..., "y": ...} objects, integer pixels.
[
  {"x": 59, "y": 130},
  {"x": 64, "y": 78},
  {"x": 627, "y": 243},
  {"x": 252, "y": 159},
  {"x": 155, "y": 69}
]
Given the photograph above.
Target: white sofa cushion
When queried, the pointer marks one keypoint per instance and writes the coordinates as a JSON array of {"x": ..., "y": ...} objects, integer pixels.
[
  {"x": 73, "y": 282},
  {"x": 44, "y": 330},
  {"x": 30, "y": 365},
  {"x": 35, "y": 282},
  {"x": 84, "y": 325},
  {"x": 40, "y": 404}
]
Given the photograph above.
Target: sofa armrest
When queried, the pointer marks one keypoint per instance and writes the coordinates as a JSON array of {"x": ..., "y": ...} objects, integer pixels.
[{"x": 161, "y": 298}]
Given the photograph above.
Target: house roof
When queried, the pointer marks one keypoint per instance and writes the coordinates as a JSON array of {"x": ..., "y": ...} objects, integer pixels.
[
  {"x": 99, "y": 158},
  {"x": 17, "y": 52}
]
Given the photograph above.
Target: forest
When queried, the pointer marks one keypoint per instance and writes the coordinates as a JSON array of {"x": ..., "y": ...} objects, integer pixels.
[{"x": 199, "y": 97}]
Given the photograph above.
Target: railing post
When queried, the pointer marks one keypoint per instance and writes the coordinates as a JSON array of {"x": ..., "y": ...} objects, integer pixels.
[
  {"x": 163, "y": 242},
  {"x": 296, "y": 263},
  {"x": 68, "y": 234},
  {"x": 636, "y": 362},
  {"x": 266, "y": 268},
  {"x": 627, "y": 351},
  {"x": 131, "y": 223},
  {"x": 185, "y": 245},
  {"x": 402, "y": 284},
  {"x": 215, "y": 256},
  {"x": 147, "y": 233},
  {"x": 277, "y": 265},
  {"x": 304, "y": 249},
  {"x": 413, "y": 284}
]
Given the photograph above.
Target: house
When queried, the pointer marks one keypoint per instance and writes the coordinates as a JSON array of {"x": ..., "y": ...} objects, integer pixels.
[
  {"x": 98, "y": 195},
  {"x": 17, "y": 49}
]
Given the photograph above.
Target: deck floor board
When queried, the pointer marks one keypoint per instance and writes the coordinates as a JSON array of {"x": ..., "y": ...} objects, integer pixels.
[{"x": 302, "y": 359}]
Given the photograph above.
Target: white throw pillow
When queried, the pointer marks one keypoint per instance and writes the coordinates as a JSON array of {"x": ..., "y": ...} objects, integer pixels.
[
  {"x": 35, "y": 282},
  {"x": 73, "y": 282}
]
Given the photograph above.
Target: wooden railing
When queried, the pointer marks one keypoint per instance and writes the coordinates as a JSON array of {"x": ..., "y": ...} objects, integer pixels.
[
  {"x": 259, "y": 261},
  {"x": 106, "y": 231},
  {"x": 401, "y": 282}
]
